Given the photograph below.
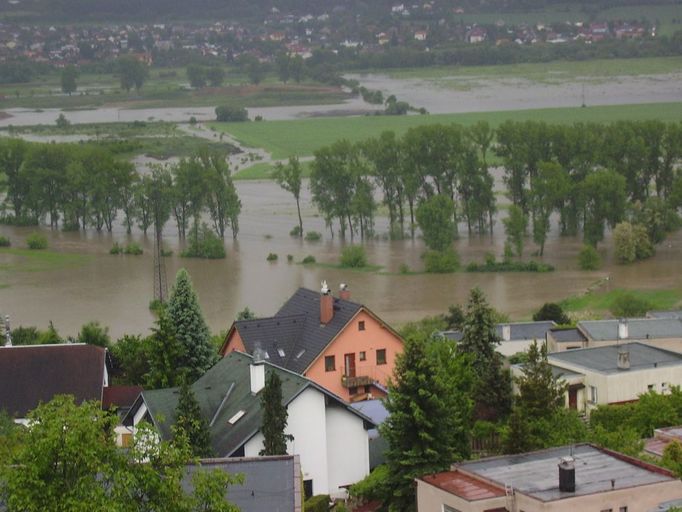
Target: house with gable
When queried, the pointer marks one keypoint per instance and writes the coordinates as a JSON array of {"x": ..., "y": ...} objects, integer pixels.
[
  {"x": 337, "y": 343},
  {"x": 329, "y": 436}
]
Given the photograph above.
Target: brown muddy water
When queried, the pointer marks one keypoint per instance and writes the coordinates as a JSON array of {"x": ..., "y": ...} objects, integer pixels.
[{"x": 116, "y": 290}]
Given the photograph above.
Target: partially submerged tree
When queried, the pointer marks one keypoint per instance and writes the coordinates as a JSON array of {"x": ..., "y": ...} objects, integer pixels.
[{"x": 289, "y": 178}]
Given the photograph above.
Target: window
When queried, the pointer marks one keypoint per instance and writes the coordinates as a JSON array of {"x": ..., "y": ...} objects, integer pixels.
[
  {"x": 593, "y": 394},
  {"x": 381, "y": 356},
  {"x": 607, "y": 510},
  {"x": 329, "y": 364},
  {"x": 307, "y": 488},
  {"x": 363, "y": 356},
  {"x": 361, "y": 325},
  {"x": 623, "y": 509},
  {"x": 650, "y": 387},
  {"x": 353, "y": 391}
]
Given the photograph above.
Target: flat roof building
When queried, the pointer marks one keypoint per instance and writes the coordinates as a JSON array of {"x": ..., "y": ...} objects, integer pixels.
[{"x": 583, "y": 477}]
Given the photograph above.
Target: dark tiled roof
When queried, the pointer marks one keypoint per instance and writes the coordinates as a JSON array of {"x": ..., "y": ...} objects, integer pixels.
[
  {"x": 605, "y": 359},
  {"x": 33, "y": 374},
  {"x": 294, "y": 337},
  {"x": 568, "y": 335},
  {"x": 271, "y": 484},
  {"x": 121, "y": 397},
  {"x": 222, "y": 392}
]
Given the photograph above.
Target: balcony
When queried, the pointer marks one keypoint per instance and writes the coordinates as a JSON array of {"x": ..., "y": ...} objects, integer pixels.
[{"x": 356, "y": 381}]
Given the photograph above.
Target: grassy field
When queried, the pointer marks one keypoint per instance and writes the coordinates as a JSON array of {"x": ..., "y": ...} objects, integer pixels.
[
  {"x": 263, "y": 171},
  {"x": 599, "y": 303},
  {"x": 16, "y": 259},
  {"x": 164, "y": 88},
  {"x": 555, "y": 71},
  {"x": 302, "y": 137}
]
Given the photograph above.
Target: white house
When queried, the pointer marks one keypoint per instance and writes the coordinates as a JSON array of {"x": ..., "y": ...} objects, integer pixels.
[{"x": 329, "y": 436}]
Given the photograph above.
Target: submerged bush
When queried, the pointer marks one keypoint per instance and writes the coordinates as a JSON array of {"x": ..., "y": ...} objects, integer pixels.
[
  {"x": 353, "y": 256},
  {"x": 441, "y": 262},
  {"x": 308, "y": 259},
  {"x": 204, "y": 243},
  {"x": 133, "y": 248},
  {"x": 313, "y": 236},
  {"x": 272, "y": 257},
  {"x": 4, "y": 241},
  {"x": 36, "y": 241},
  {"x": 116, "y": 249},
  {"x": 295, "y": 231},
  {"x": 588, "y": 258}
]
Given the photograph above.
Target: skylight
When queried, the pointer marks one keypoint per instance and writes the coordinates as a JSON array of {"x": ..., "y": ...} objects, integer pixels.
[
  {"x": 234, "y": 419},
  {"x": 300, "y": 353},
  {"x": 280, "y": 352}
]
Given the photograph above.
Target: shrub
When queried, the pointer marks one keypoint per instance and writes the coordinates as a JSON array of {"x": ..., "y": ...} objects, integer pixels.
[
  {"x": 319, "y": 503},
  {"x": 588, "y": 258},
  {"x": 4, "y": 241},
  {"x": 204, "y": 243},
  {"x": 629, "y": 305},
  {"x": 551, "y": 311},
  {"x": 116, "y": 249},
  {"x": 192, "y": 120},
  {"x": 441, "y": 262},
  {"x": 296, "y": 231},
  {"x": 308, "y": 259},
  {"x": 631, "y": 242},
  {"x": 313, "y": 236},
  {"x": 290, "y": 258},
  {"x": 166, "y": 253},
  {"x": 133, "y": 248},
  {"x": 258, "y": 118},
  {"x": 353, "y": 256},
  {"x": 272, "y": 257},
  {"x": 404, "y": 268},
  {"x": 228, "y": 114},
  {"x": 36, "y": 241},
  {"x": 373, "y": 487}
]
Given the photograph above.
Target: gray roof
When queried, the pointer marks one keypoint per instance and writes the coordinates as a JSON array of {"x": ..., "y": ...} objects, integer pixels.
[
  {"x": 567, "y": 335},
  {"x": 536, "y": 473},
  {"x": 270, "y": 483},
  {"x": 665, "y": 314},
  {"x": 294, "y": 337},
  {"x": 560, "y": 373},
  {"x": 519, "y": 331},
  {"x": 222, "y": 392},
  {"x": 638, "y": 328},
  {"x": 605, "y": 359}
]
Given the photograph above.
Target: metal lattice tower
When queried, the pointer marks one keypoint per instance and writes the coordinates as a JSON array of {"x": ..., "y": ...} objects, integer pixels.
[{"x": 160, "y": 283}]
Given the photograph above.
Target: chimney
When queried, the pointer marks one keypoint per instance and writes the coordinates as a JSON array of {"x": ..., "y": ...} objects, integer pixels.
[
  {"x": 344, "y": 292},
  {"x": 506, "y": 332},
  {"x": 623, "y": 331},
  {"x": 326, "y": 304},
  {"x": 257, "y": 371},
  {"x": 623, "y": 358},
  {"x": 567, "y": 475}
]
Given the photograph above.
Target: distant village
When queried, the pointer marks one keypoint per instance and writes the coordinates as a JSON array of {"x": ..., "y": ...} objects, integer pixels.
[{"x": 421, "y": 26}]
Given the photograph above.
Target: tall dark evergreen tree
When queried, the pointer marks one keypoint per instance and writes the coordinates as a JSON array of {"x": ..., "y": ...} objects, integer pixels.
[
  {"x": 479, "y": 339},
  {"x": 184, "y": 314},
  {"x": 192, "y": 423},
  {"x": 275, "y": 417},
  {"x": 424, "y": 429},
  {"x": 165, "y": 355},
  {"x": 540, "y": 394}
]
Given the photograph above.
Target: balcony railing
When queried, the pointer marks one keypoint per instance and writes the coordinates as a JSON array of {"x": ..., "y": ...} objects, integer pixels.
[
  {"x": 358, "y": 380},
  {"x": 364, "y": 376}
]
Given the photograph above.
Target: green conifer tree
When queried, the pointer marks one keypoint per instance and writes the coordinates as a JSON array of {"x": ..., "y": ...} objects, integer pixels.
[
  {"x": 275, "y": 417},
  {"x": 424, "y": 428},
  {"x": 185, "y": 316},
  {"x": 165, "y": 355},
  {"x": 192, "y": 423},
  {"x": 540, "y": 394}
]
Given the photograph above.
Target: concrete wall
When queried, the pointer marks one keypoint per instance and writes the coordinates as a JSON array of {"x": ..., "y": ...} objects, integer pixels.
[
  {"x": 347, "y": 449},
  {"x": 353, "y": 341}
]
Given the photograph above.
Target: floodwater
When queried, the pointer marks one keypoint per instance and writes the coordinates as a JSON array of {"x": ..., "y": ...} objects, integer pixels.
[{"x": 116, "y": 290}]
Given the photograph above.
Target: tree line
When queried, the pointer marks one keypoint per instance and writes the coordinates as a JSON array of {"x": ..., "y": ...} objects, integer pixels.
[
  {"x": 80, "y": 186},
  {"x": 591, "y": 176}
]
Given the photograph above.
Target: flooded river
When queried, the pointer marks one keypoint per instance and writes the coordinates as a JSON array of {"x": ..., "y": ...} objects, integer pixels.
[{"x": 116, "y": 290}]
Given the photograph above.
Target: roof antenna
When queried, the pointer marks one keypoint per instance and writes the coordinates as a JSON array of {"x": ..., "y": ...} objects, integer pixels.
[{"x": 8, "y": 332}]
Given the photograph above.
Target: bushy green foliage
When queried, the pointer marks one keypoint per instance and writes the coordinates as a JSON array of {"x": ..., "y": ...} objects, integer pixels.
[
  {"x": 204, "y": 243},
  {"x": 509, "y": 265},
  {"x": 116, "y": 249},
  {"x": 308, "y": 259},
  {"x": 551, "y": 311},
  {"x": 515, "y": 225},
  {"x": 275, "y": 417},
  {"x": 629, "y": 305},
  {"x": 93, "y": 333},
  {"x": 290, "y": 258},
  {"x": 133, "y": 248},
  {"x": 130, "y": 356},
  {"x": 631, "y": 242},
  {"x": 5, "y": 241},
  {"x": 246, "y": 314},
  {"x": 229, "y": 114},
  {"x": 319, "y": 503},
  {"x": 588, "y": 258},
  {"x": 191, "y": 423},
  {"x": 272, "y": 257},
  {"x": 353, "y": 256},
  {"x": 313, "y": 236},
  {"x": 373, "y": 487},
  {"x": 435, "y": 219},
  {"x": 441, "y": 262},
  {"x": 36, "y": 241},
  {"x": 296, "y": 232}
]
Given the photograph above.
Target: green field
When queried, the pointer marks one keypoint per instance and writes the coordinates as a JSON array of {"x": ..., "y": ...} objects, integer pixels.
[
  {"x": 302, "y": 137},
  {"x": 599, "y": 303},
  {"x": 263, "y": 171},
  {"x": 460, "y": 77}
]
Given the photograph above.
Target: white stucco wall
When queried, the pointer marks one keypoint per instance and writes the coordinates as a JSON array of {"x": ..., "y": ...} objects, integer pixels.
[{"x": 347, "y": 449}]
